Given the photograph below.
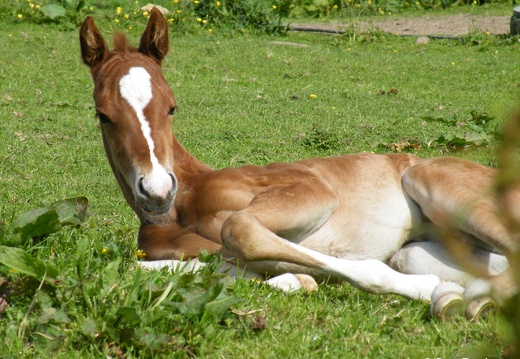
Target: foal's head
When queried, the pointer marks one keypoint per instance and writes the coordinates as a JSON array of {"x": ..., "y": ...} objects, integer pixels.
[{"x": 134, "y": 105}]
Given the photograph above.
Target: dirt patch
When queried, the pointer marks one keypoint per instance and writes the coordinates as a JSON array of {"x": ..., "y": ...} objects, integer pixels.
[{"x": 452, "y": 25}]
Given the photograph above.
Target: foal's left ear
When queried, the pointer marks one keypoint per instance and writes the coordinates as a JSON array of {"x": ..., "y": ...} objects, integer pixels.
[{"x": 154, "y": 42}]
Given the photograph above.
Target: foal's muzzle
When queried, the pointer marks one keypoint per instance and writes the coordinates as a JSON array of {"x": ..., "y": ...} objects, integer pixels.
[{"x": 155, "y": 195}]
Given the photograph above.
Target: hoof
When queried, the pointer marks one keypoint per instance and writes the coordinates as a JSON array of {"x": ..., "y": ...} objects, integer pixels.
[
  {"x": 479, "y": 308},
  {"x": 447, "y": 301}
]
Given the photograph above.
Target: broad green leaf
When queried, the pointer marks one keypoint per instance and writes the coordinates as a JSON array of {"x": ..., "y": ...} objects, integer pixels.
[
  {"x": 36, "y": 223},
  {"x": 129, "y": 315},
  {"x": 72, "y": 211},
  {"x": 90, "y": 328},
  {"x": 20, "y": 260},
  {"x": 52, "y": 11},
  {"x": 218, "y": 307},
  {"x": 109, "y": 276}
]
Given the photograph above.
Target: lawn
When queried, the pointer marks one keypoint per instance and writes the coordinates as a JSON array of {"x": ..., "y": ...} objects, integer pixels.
[{"x": 243, "y": 98}]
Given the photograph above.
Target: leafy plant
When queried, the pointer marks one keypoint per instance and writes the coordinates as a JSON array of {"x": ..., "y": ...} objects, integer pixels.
[{"x": 98, "y": 302}]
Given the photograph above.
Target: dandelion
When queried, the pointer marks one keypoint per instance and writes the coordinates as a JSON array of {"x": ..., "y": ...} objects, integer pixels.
[
  {"x": 119, "y": 10},
  {"x": 313, "y": 96},
  {"x": 145, "y": 13},
  {"x": 127, "y": 16},
  {"x": 12, "y": 270},
  {"x": 452, "y": 63},
  {"x": 31, "y": 5},
  {"x": 199, "y": 19},
  {"x": 91, "y": 8},
  {"x": 20, "y": 16},
  {"x": 389, "y": 13},
  {"x": 179, "y": 11},
  {"x": 130, "y": 28},
  {"x": 335, "y": 7},
  {"x": 274, "y": 7},
  {"x": 395, "y": 50},
  {"x": 218, "y": 3},
  {"x": 488, "y": 33},
  {"x": 140, "y": 253},
  {"x": 105, "y": 250},
  {"x": 171, "y": 19},
  {"x": 204, "y": 22},
  {"x": 175, "y": 1},
  {"x": 37, "y": 7},
  {"x": 210, "y": 31},
  {"x": 255, "y": 280},
  {"x": 196, "y": 2},
  {"x": 116, "y": 21}
]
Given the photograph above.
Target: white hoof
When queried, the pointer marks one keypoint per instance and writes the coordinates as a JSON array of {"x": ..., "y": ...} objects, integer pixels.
[
  {"x": 289, "y": 282},
  {"x": 447, "y": 300}
]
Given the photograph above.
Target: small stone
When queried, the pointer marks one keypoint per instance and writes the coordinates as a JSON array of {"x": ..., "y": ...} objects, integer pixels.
[{"x": 422, "y": 40}]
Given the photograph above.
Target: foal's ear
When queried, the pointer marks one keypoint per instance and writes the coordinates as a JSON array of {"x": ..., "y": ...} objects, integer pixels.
[
  {"x": 93, "y": 46},
  {"x": 154, "y": 42}
]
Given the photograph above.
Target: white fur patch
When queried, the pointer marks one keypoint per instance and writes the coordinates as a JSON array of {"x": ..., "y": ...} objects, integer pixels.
[{"x": 136, "y": 88}]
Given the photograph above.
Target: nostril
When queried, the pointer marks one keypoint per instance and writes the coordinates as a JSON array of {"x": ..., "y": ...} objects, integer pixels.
[
  {"x": 140, "y": 187},
  {"x": 174, "y": 183}
]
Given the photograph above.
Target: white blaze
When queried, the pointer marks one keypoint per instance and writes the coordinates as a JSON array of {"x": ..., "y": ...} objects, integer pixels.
[{"x": 136, "y": 88}]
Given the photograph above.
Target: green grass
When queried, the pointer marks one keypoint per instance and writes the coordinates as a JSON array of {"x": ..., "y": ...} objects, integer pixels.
[{"x": 242, "y": 99}]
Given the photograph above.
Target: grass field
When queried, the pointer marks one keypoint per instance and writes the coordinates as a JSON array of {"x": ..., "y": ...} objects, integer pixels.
[{"x": 243, "y": 98}]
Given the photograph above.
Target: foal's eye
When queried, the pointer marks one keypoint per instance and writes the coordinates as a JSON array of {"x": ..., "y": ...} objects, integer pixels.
[
  {"x": 103, "y": 119},
  {"x": 171, "y": 111}
]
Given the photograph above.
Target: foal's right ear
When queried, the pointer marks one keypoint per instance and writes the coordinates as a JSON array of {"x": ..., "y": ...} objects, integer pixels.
[{"x": 93, "y": 46}]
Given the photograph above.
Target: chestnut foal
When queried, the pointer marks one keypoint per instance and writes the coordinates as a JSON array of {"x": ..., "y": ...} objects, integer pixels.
[{"x": 372, "y": 220}]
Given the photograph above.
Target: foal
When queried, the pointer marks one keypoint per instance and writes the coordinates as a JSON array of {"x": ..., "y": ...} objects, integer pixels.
[{"x": 372, "y": 220}]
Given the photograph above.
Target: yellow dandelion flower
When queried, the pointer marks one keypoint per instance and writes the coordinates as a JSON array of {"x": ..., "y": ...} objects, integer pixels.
[
  {"x": 140, "y": 253},
  {"x": 175, "y": 1},
  {"x": 171, "y": 19},
  {"x": 12, "y": 270},
  {"x": 130, "y": 28},
  {"x": 335, "y": 7},
  {"x": 204, "y": 22},
  {"x": 255, "y": 280},
  {"x": 313, "y": 96},
  {"x": 37, "y": 6},
  {"x": 196, "y": 2},
  {"x": 199, "y": 19},
  {"x": 127, "y": 16},
  {"x": 31, "y": 5},
  {"x": 20, "y": 16},
  {"x": 179, "y": 11},
  {"x": 116, "y": 20},
  {"x": 274, "y": 6},
  {"x": 210, "y": 30},
  {"x": 218, "y": 3},
  {"x": 145, "y": 13},
  {"x": 119, "y": 10},
  {"x": 452, "y": 63},
  {"x": 91, "y": 8},
  {"x": 104, "y": 250}
]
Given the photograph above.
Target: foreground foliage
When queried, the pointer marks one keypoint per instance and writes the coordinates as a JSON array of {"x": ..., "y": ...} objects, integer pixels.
[{"x": 69, "y": 283}]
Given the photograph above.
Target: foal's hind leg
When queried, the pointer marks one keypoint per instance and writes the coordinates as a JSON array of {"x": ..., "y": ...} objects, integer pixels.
[
  {"x": 252, "y": 236},
  {"x": 456, "y": 195}
]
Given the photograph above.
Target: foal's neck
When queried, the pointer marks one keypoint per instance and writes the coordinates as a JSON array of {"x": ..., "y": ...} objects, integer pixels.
[{"x": 185, "y": 164}]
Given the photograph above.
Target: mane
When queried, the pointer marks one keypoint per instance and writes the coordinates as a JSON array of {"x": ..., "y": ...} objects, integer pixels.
[{"x": 121, "y": 46}]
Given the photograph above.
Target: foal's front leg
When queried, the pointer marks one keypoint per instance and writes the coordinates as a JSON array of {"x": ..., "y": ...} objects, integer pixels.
[{"x": 256, "y": 234}]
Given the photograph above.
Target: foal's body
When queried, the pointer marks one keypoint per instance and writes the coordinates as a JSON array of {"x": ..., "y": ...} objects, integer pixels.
[{"x": 344, "y": 217}]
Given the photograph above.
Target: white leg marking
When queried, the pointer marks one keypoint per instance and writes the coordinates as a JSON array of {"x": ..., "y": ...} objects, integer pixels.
[
  {"x": 173, "y": 265},
  {"x": 375, "y": 276},
  {"x": 136, "y": 88}
]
